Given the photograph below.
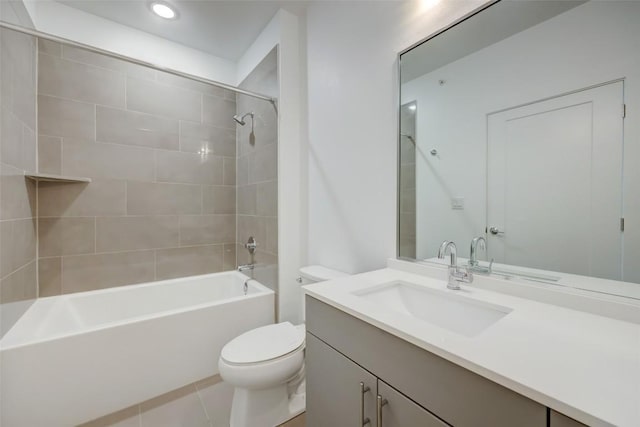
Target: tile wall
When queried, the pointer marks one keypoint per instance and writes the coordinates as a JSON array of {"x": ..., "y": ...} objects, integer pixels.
[
  {"x": 18, "y": 271},
  {"x": 161, "y": 153},
  {"x": 407, "y": 244},
  {"x": 257, "y": 172}
]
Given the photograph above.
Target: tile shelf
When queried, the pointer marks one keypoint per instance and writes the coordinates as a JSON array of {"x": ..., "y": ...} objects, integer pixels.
[{"x": 55, "y": 178}]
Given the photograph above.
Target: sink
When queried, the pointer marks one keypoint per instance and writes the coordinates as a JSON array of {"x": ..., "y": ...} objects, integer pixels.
[{"x": 447, "y": 310}]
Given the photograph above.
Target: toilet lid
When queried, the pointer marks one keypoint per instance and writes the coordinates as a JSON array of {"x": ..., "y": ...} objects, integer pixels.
[{"x": 264, "y": 343}]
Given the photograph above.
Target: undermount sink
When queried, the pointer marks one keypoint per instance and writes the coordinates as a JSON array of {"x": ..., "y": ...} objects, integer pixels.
[{"x": 447, "y": 310}]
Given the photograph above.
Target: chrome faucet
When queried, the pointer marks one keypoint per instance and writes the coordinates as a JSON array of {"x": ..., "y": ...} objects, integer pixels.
[
  {"x": 246, "y": 267},
  {"x": 474, "y": 265},
  {"x": 456, "y": 275},
  {"x": 473, "y": 261}
]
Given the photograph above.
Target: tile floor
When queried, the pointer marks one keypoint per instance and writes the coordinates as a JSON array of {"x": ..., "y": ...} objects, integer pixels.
[{"x": 206, "y": 403}]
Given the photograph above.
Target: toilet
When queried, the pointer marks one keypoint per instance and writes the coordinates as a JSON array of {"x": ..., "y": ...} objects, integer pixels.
[{"x": 266, "y": 367}]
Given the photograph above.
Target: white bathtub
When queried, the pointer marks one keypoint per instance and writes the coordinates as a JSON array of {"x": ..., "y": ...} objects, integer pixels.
[{"x": 73, "y": 358}]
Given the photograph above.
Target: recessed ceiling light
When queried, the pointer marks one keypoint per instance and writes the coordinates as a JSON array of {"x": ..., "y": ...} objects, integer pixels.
[{"x": 164, "y": 10}]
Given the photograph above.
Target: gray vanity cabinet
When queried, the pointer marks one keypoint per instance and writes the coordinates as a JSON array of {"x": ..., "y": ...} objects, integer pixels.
[
  {"x": 399, "y": 411},
  {"x": 558, "y": 420},
  {"x": 419, "y": 385},
  {"x": 334, "y": 396}
]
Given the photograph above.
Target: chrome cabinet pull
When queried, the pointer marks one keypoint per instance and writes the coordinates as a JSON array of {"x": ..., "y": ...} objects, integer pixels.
[
  {"x": 380, "y": 402},
  {"x": 363, "y": 390}
]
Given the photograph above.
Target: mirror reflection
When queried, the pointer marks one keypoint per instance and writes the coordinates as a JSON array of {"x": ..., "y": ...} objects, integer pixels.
[{"x": 516, "y": 127}]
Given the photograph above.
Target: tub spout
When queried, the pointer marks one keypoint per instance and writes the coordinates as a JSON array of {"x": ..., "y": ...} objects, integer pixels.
[{"x": 246, "y": 267}]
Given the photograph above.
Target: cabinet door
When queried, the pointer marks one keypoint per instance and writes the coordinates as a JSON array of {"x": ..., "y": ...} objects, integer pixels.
[
  {"x": 556, "y": 419},
  {"x": 400, "y": 411},
  {"x": 333, "y": 388}
]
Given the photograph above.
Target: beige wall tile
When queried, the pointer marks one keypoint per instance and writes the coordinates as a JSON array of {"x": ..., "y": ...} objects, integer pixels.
[
  {"x": 219, "y": 112},
  {"x": 218, "y": 199},
  {"x": 181, "y": 82},
  {"x": 17, "y": 194},
  {"x": 100, "y": 160},
  {"x": 50, "y": 154},
  {"x": 100, "y": 197},
  {"x": 182, "y": 262},
  {"x": 66, "y": 236},
  {"x": 229, "y": 171},
  {"x": 90, "y": 272},
  {"x": 229, "y": 257},
  {"x": 163, "y": 100},
  {"x": 194, "y": 137},
  {"x": 251, "y": 226},
  {"x": 242, "y": 170},
  {"x": 188, "y": 168},
  {"x": 17, "y": 244},
  {"x": 271, "y": 239},
  {"x": 207, "y": 229},
  {"x": 20, "y": 285},
  {"x": 73, "y": 80},
  {"x": 267, "y": 198},
  {"x": 132, "y": 128},
  {"x": 49, "y": 276},
  {"x": 144, "y": 198},
  {"x": 263, "y": 164},
  {"x": 49, "y": 47},
  {"x": 247, "y": 200},
  {"x": 62, "y": 117},
  {"x": 115, "y": 234},
  {"x": 17, "y": 141},
  {"x": 87, "y": 57}
]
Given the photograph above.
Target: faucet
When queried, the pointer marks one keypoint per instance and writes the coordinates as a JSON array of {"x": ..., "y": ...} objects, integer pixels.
[
  {"x": 456, "y": 275},
  {"x": 474, "y": 265},
  {"x": 474, "y": 247},
  {"x": 246, "y": 267}
]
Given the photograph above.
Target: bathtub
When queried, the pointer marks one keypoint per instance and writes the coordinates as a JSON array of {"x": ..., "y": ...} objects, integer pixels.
[{"x": 73, "y": 358}]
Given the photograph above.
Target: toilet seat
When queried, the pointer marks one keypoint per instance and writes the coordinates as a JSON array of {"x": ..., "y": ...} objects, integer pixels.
[{"x": 264, "y": 344}]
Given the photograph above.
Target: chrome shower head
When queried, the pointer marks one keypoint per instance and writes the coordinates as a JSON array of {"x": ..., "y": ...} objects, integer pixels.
[{"x": 240, "y": 120}]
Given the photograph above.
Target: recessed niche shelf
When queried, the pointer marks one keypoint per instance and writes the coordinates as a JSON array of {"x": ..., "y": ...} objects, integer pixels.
[{"x": 55, "y": 178}]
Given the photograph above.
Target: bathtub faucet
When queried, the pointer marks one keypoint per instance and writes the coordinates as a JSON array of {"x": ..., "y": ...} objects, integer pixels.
[{"x": 246, "y": 267}]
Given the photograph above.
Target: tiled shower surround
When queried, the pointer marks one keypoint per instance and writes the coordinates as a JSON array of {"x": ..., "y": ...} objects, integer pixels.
[
  {"x": 257, "y": 172},
  {"x": 18, "y": 275},
  {"x": 161, "y": 153}
]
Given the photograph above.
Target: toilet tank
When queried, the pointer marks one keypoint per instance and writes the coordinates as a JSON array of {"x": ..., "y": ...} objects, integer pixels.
[
  {"x": 319, "y": 273},
  {"x": 316, "y": 273}
]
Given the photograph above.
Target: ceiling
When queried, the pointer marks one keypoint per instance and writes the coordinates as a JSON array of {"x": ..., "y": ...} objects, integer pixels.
[{"x": 222, "y": 28}]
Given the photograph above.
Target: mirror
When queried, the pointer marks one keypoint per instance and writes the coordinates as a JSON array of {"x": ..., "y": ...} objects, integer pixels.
[{"x": 513, "y": 129}]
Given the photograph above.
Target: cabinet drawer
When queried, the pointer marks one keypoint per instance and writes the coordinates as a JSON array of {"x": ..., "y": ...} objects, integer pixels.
[{"x": 457, "y": 396}]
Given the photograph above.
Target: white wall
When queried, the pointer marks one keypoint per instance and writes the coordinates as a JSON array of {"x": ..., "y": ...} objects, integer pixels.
[
  {"x": 353, "y": 105},
  {"x": 63, "y": 21},
  {"x": 602, "y": 52}
]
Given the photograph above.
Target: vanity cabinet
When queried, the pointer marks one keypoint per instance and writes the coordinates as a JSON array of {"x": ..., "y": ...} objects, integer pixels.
[
  {"x": 421, "y": 388},
  {"x": 345, "y": 394},
  {"x": 556, "y": 419}
]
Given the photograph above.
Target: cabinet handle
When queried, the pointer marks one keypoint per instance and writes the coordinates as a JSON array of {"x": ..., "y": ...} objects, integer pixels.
[
  {"x": 363, "y": 390},
  {"x": 380, "y": 402}
]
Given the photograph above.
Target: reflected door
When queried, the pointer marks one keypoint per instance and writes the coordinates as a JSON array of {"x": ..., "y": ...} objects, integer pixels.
[{"x": 554, "y": 194}]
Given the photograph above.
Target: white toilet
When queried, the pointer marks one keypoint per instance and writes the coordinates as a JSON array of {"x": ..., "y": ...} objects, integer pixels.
[{"x": 266, "y": 367}]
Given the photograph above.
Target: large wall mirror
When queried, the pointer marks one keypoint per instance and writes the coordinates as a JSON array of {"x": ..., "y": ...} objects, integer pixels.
[{"x": 519, "y": 124}]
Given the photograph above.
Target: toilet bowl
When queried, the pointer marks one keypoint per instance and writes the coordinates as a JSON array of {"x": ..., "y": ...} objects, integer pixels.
[{"x": 266, "y": 368}]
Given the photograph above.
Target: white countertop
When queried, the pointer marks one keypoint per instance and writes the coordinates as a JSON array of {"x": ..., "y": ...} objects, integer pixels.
[{"x": 580, "y": 364}]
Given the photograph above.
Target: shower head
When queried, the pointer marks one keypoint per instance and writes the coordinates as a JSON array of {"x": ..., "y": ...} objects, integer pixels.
[{"x": 240, "y": 119}]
